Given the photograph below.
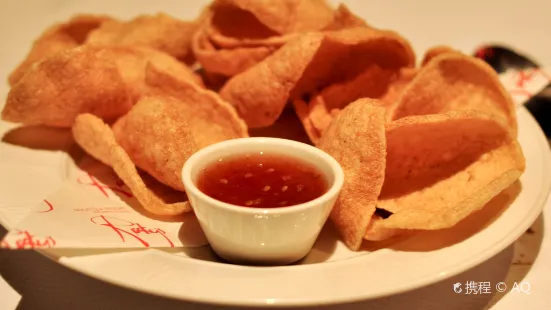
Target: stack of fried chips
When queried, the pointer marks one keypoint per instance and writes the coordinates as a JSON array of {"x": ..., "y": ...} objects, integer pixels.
[{"x": 422, "y": 147}]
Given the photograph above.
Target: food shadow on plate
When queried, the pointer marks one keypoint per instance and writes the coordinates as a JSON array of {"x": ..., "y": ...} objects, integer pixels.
[
  {"x": 40, "y": 138},
  {"x": 425, "y": 241},
  {"x": 204, "y": 253},
  {"x": 106, "y": 175},
  {"x": 287, "y": 126},
  {"x": 528, "y": 245},
  {"x": 525, "y": 253},
  {"x": 441, "y": 295},
  {"x": 22, "y": 270},
  {"x": 325, "y": 246},
  {"x": 322, "y": 251}
]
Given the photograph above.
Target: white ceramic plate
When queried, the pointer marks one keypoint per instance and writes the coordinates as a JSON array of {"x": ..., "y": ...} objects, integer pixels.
[{"x": 331, "y": 273}]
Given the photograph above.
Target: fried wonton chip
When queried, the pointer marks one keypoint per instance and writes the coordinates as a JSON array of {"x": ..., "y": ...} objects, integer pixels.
[
  {"x": 210, "y": 118},
  {"x": 161, "y": 32},
  {"x": 257, "y": 19},
  {"x": 452, "y": 81},
  {"x": 156, "y": 136},
  {"x": 96, "y": 138},
  {"x": 374, "y": 82},
  {"x": 356, "y": 139},
  {"x": 227, "y": 62},
  {"x": 57, "y": 38},
  {"x": 260, "y": 93},
  {"x": 104, "y": 81},
  {"x": 58, "y": 88},
  {"x": 222, "y": 42},
  {"x": 437, "y": 51},
  {"x": 376, "y": 231},
  {"x": 236, "y": 34},
  {"x": 440, "y": 168},
  {"x": 343, "y": 18},
  {"x": 132, "y": 63},
  {"x": 315, "y": 117},
  {"x": 316, "y": 61},
  {"x": 396, "y": 88}
]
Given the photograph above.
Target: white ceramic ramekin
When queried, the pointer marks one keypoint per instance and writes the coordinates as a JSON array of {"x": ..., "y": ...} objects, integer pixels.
[{"x": 275, "y": 236}]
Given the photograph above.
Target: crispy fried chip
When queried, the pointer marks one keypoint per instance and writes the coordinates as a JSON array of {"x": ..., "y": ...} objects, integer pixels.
[
  {"x": 257, "y": 19},
  {"x": 104, "y": 81},
  {"x": 227, "y": 62},
  {"x": 315, "y": 117},
  {"x": 57, "y": 38},
  {"x": 58, "y": 88},
  {"x": 210, "y": 118},
  {"x": 435, "y": 51},
  {"x": 237, "y": 34},
  {"x": 96, "y": 138},
  {"x": 453, "y": 81},
  {"x": 260, "y": 93},
  {"x": 441, "y": 168},
  {"x": 161, "y": 32},
  {"x": 422, "y": 148},
  {"x": 222, "y": 42},
  {"x": 132, "y": 63},
  {"x": 156, "y": 136},
  {"x": 302, "y": 109},
  {"x": 396, "y": 88},
  {"x": 356, "y": 139},
  {"x": 311, "y": 62},
  {"x": 320, "y": 115},
  {"x": 343, "y": 18},
  {"x": 374, "y": 82}
]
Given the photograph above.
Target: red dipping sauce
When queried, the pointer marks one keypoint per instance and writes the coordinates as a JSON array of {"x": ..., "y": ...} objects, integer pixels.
[{"x": 262, "y": 181}]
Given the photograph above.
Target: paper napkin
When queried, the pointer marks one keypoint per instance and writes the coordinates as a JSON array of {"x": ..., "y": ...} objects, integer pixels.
[
  {"x": 94, "y": 210},
  {"x": 524, "y": 84}
]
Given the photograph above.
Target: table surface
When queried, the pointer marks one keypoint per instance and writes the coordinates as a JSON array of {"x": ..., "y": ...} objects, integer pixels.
[{"x": 43, "y": 284}]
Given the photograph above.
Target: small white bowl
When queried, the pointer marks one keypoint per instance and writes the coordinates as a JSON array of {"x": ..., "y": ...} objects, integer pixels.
[{"x": 275, "y": 236}]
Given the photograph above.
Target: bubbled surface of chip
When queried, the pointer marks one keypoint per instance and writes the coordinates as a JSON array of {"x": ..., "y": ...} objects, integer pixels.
[{"x": 156, "y": 136}]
